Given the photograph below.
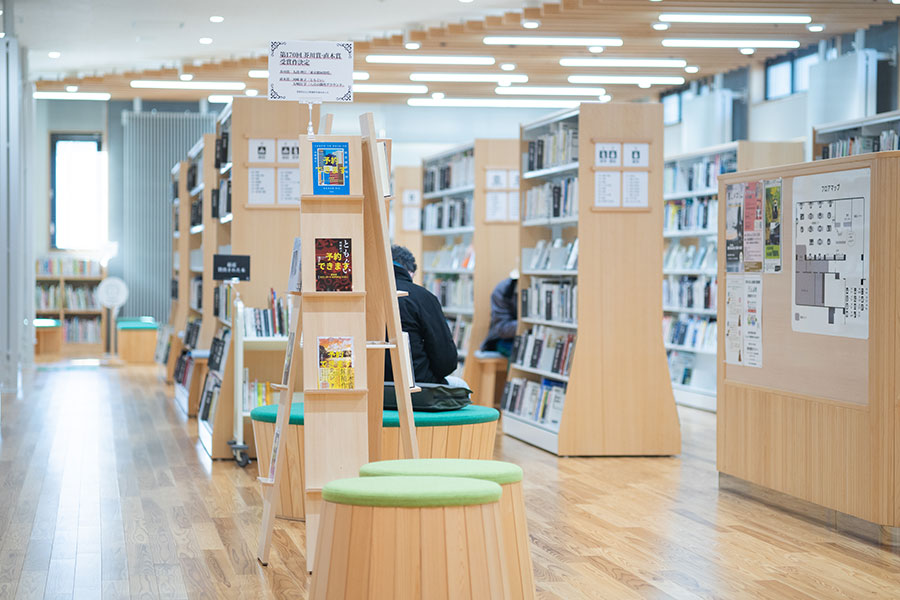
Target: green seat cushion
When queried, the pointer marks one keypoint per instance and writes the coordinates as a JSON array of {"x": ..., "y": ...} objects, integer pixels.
[
  {"x": 491, "y": 470},
  {"x": 415, "y": 492},
  {"x": 137, "y": 323},
  {"x": 464, "y": 416},
  {"x": 47, "y": 323}
]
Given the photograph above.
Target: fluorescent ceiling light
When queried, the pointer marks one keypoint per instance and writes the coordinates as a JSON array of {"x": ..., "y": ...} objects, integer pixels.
[
  {"x": 412, "y": 45},
  {"x": 186, "y": 77},
  {"x": 816, "y": 28},
  {"x": 660, "y": 26},
  {"x": 531, "y": 24},
  {"x": 536, "y": 90},
  {"x": 389, "y": 88},
  {"x": 102, "y": 96},
  {"x": 691, "y": 69},
  {"x": 508, "y": 67},
  {"x": 53, "y": 54},
  {"x": 539, "y": 40},
  {"x": 469, "y": 77},
  {"x": 731, "y": 18},
  {"x": 71, "y": 88},
  {"x": 258, "y": 73},
  {"x": 627, "y": 79},
  {"x": 425, "y": 59},
  {"x": 494, "y": 103},
  {"x": 438, "y": 95},
  {"x": 206, "y": 41},
  {"x": 623, "y": 62},
  {"x": 596, "y": 49},
  {"x": 747, "y": 51},
  {"x": 360, "y": 76},
  {"x": 643, "y": 85},
  {"x": 220, "y": 99},
  {"x": 730, "y": 43},
  {"x": 158, "y": 84},
  {"x": 465, "y": 1},
  {"x": 251, "y": 92},
  {"x": 216, "y": 19},
  {"x": 605, "y": 98}
]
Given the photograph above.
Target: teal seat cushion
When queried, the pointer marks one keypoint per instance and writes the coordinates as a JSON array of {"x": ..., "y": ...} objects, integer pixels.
[
  {"x": 47, "y": 323},
  {"x": 490, "y": 470},
  {"x": 465, "y": 416},
  {"x": 137, "y": 323},
  {"x": 411, "y": 492}
]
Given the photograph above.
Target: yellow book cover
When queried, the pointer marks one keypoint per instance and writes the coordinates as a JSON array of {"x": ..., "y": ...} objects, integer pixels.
[{"x": 336, "y": 363}]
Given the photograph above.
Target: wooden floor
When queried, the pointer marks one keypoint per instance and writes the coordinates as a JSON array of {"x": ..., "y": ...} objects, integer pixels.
[{"x": 105, "y": 492}]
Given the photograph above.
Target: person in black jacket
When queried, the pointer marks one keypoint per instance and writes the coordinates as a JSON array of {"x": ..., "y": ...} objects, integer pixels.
[
  {"x": 433, "y": 353},
  {"x": 504, "y": 316}
]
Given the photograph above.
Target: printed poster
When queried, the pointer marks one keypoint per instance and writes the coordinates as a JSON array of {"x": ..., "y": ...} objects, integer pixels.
[
  {"x": 734, "y": 228},
  {"x": 289, "y": 150},
  {"x": 333, "y": 265},
  {"x": 331, "y": 168},
  {"x": 734, "y": 318},
  {"x": 335, "y": 363},
  {"x": 261, "y": 185},
  {"x": 412, "y": 197},
  {"x": 773, "y": 226},
  {"x": 496, "y": 179},
  {"x": 495, "y": 206},
  {"x": 753, "y": 227},
  {"x": 513, "y": 206},
  {"x": 311, "y": 71},
  {"x": 412, "y": 218},
  {"x": 751, "y": 350},
  {"x": 607, "y": 189},
  {"x": 830, "y": 287},
  {"x": 288, "y": 185},
  {"x": 513, "y": 179},
  {"x": 635, "y": 189},
  {"x": 261, "y": 150}
]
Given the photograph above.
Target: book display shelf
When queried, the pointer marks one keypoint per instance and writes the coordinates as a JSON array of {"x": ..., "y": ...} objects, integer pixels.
[
  {"x": 178, "y": 313},
  {"x": 406, "y": 213},
  {"x": 65, "y": 287},
  {"x": 690, "y": 283},
  {"x": 588, "y": 375},
  {"x": 876, "y": 133},
  {"x": 469, "y": 235}
]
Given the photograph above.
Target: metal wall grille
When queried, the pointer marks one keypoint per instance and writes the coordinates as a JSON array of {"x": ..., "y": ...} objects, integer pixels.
[{"x": 154, "y": 142}]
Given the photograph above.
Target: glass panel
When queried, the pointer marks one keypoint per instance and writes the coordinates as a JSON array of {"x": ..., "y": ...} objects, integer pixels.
[
  {"x": 801, "y": 71},
  {"x": 778, "y": 80},
  {"x": 671, "y": 109}
]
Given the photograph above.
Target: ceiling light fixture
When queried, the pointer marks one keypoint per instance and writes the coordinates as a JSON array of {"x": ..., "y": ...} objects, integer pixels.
[
  {"x": 660, "y": 26},
  {"x": 725, "y": 18},
  {"x": 219, "y": 99},
  {"x": 438, "y": 95},
  {"x": 606, "y": 97},
  {"x": 53, "y": 54},
  {"x": 216, "y": 19},
  {"x": 596, "y": 49},
  {"x": 466, "y": 1},
  {"x": 206, "y": 41},
  {"x": 101, "y": 96},
  {"x": 71, "y": 88},
  {"x": 494, "y": 102},
  {"x": 624, "y": 62},
  {"x": 729, "y": 43},
  {"x": 643, "y": 85},
  {"x": 691, "y": 69},
  {"x": 747, "y": 51},
  {"x": 425, "y": 59},
  {"x": 159, "y": 84},
  {"x": 258, "y": 73},
  {"x": 536, "y": 90},
  {"x": 508, "y": 67},
  {"x": 389, "y": 88},
  {"x": 815, "y": 28},
  {"x": 251, "y": 92},
  {"x": 531, "y": 24},
  {"x": 412, "y": 45},
  {"x": 469, "y": 77},
  {"x": 626, "y": 79},
  {"x": 360, "y": 76},
  {"x": 538, "y": 40},
  {"x": 186, "y": 76}
]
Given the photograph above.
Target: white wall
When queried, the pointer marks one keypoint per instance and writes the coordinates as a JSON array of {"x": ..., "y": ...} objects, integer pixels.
[{"x": 779, "y": 120}]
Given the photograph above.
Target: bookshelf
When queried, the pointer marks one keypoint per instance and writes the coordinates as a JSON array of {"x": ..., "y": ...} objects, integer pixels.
[
  {"x": 65, "y": 285},
  {"x": 690, "y": 283},
  {"x": 603, "y": 388},
  {"x": 178, "y": 313},
  {"x": 406, "y": 212},
  {"x": 470, "y": 233},
  {"x": 857, "y": 136}
]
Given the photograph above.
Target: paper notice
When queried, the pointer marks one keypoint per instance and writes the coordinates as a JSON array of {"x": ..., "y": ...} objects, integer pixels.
[
  {"x": 261, "y": 185},
  {"x": 636, "y": 155},
  {"x": 288, "y": 186},
  {"x": 635, "y": 193},
  {"x": 412, "y": 197},
  {"x": 513, "y": 179},
  {"x": 607, "y": 155},
  {"x": 734, "y": 228},
  {"x": 411, "y": 218},
  {"x": 607, "y": 189},
  {"x": 496, "y": 179},
  {"x": 495, "y": 206},
  {"x": 734, "y": 315},
  {"x": 513, "y": 206},
  {"x": 753, "y": 227},
  {"x": 262, "y": 150},
  {"x": 289, "y": 150},
  {"x": 752, "y": 352}
]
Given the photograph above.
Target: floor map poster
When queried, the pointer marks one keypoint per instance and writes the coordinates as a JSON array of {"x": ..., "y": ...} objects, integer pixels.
[
  {"x": 830, "y": 288},
  {"x": 773, "y": 226},
  {"x": 331, "y": 168},
  {"x": 753, "y": 227},
  {"x": 734, "y": 228}
]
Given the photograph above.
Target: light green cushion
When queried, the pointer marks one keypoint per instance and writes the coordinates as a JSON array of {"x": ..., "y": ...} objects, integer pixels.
[
  {"x": 47, "y": 323},
  {"x": 137, "y": 323},
  {"x": 464, "y": 416},
  {"x": 416, "y": 492},
  {"x": 491, "y": 470}
]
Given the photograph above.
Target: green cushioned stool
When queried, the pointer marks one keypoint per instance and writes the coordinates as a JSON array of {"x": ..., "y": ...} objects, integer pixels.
[
  {"x": 471, "y": 414},
  {"x": 407, "y": 538},
  {"x": 512, "y": 504},
  {"x": 136, "y": 339}
]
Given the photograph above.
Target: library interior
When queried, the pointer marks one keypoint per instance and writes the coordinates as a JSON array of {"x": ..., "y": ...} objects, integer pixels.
[{"x": 499, "y": 221}]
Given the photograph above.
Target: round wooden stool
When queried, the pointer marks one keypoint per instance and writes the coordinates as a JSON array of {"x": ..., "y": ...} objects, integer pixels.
[
  {"x": 410, "y": 538},
  {"x": 512, "y": 504}
]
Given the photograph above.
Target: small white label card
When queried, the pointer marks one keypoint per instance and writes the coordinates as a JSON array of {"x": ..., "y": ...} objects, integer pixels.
[
  {"x": 289, "y": 151},
  {"x": 607, "y": 154},
  {"x": 412, "y": 197},
  {"x": 513, "y": 206},
  {"x": 411, "y": 218},
  {"x": 261, "y": 185},
  {"x": 635, "y": 155},
  {"x": 513, "y": 179},
  {"x": 262, "y": 150},
  {"x": 496, "y": 179},
  {"x": 288, "y": 186},
  {"x": 495, "y": 206},
  {"x": 634, "y": 189},
  {"x": 607, "y": 189},
  {"x": 312, "y": 72}
]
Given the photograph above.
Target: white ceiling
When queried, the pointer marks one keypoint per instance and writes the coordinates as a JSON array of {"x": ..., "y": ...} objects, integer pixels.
[{"x": 118, "y": 35}]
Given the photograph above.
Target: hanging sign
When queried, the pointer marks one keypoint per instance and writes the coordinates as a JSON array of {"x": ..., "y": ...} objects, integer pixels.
[
  {"x": 304, "y": 71},
  {"x": 231, "y": 266}
]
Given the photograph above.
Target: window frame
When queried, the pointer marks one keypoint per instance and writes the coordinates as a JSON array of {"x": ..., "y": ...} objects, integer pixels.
[
  {"x": 55, "y": 138},
  {"x": 791, "y": 59},
  {"x": 677, "y": 94}
]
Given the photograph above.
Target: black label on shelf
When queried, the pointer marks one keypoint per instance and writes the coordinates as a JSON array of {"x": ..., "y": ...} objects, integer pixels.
[{"x": 231, "y": 266}]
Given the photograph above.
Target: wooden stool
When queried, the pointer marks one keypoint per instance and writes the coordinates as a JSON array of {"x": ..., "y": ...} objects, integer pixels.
[
  {"x": 49, "y": 336},
  {"x": 486, "y": 366},
  {"x": 137, "y": 340},
  {"x": 465, "y": 433},
  {"x": 512, "y": 505},
  {"x": 410, "y": 538}
]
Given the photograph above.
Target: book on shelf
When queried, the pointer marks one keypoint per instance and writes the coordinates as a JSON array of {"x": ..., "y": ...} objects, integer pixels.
[
  {"x": 453, "y": 172},
  {"x": 688, "y": 291},
  {"x": 66, "y": 265},
  {"x": 700, "y": 174},
  {"x": 183, "y": 368},
  {"x": 557, "y": 147},
  {"x": 193, "y": 175},
  {"x": 209, "y": 397},
  {"x": 223, "y": 301},
  {"x": 197, "y": 211},
  {"x": 82, "y": 330},
  {"x": 550, "y": 300},
  {"x": 173, "y": 292},
  {"x": 461, "y": 331},
  {"x": 452, "y": 291},
  {"x": 691, "y": 332},
  {"x": 218, "y": 349},
  {"x": 690, "y": 256},
  {"x": 453, "y": 257},
  {"x": 691, "y": 213},
  {"x": 862, "y": 144},
  {"x": 257, "y": 393},
  {"x": 46, "y": 297},
  {"x": 335, "y": 363},
  {"x": 681, "y": 367},
  {"x": 544, "y": 348},
  {"x": 448, "y": 213},
  {"x": 552, "y": 199},
  {"x": 271, "y": 321},
  {"x": 192, "y": 333},
  {"x": 539, "y": 402},
  {"x": 196, "y": 293},
  {"x": 552, "y": 255},
  {"x": 81, "y": 297}
]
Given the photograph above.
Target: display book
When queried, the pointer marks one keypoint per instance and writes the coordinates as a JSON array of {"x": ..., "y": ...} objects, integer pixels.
[{"x": 185, "y": 362}]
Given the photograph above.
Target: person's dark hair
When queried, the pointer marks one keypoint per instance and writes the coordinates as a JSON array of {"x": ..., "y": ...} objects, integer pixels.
[{"x": 403, "y": 257}]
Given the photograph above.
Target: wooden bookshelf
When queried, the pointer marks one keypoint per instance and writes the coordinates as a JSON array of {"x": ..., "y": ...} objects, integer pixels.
[
  {"x": 181, "y": 219},
  {"x": 689, "y": 184},
  {"x": 493, "y": 238},
  {"x": 407, "y": 197},
  {"x": 618, "y": 397},
  {"x": 857, "y": 136},
  {"x": 61, "y": 310}
]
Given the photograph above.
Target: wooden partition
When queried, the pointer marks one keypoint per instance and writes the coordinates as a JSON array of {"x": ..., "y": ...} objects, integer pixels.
[{"x": 818, "y": 420}]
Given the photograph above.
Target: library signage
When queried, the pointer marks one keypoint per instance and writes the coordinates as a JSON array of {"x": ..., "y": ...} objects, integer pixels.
[
  {"x": 311, "y": 72},
  {"x": 231, "y": 266}
]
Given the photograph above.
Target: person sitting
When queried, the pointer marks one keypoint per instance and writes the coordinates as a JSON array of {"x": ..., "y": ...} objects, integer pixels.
[{"x": 504, "y": 316}]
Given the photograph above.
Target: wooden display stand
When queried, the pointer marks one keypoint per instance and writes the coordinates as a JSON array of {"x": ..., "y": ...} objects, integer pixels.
[
  {"x": 407, "y": 186},
  {"x": 181, "y": 224},
  {"x": 819, "y": 420},
  {"x": 619, "y": 398}
]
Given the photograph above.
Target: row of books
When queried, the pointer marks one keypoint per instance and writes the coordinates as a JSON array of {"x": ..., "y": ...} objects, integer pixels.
[
  {"x": 80, "y": 297},
  {"x": 46, "y": 297},
  {"x": 192, "y": 333},
  {"x": 538, "y": 402},
  {"x": 223, "y": 149},
  {"x": 195, "y": 295},
  {"x": 551, "y": 255},
  {"x": 693, "y": 332},
  {"x": 691, "y": 213},
  {"x": 681, "y": 367},
  {"x": 195, "y": 173},
  {"x": 553, "y": 199},
  {"x": 557, "y": 147},
  {"x": 449, "y": 213},
  {"x": 209, "y": 398},
  {"x": 461, "y": 330},
  {"x": 184, "y": 368},
  {"x": 197, "y": 211},
  {"x": 257, "y": 393},
  {"x": 223, "y": 301},
  {"x": 690, "y": 292},
  {"x": 700, "y": 174},
  {"x": 458, "y": 256},
  {"x": 80, "y": 330},
  {"x": 220, "y": 199},
  {"x": 545, "y": 348},
  {"x": 452, "y": 291},
  {"x": 550, "y": 299},
  {"x": 173, "y": 291},
  {"x": 458, "y": 171},
  {"x": 218, "y": 349},
  {"x": 862, "y": 144},
  {"x": 690, "y": 256},
  {"x": 68, "y": 266},
  {"x": 274, "y": 320}
]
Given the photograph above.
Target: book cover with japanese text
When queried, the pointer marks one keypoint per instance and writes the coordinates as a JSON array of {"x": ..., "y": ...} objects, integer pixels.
[
  {"x": 335, "y": 363},
  {"x": 333, "y": 265},
  {"x": 331, "y": 168}
]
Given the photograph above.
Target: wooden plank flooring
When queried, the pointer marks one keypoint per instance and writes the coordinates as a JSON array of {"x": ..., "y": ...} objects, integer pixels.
[{"x": 105, "y": 492}]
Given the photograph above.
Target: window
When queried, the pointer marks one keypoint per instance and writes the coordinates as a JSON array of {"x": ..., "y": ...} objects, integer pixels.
[
  {"x": 78, "y": 197},
  {"x": 801, "y": 71},
  {"x": 778, "y": 80},
  {"x": 789, "y": 75},
  {"x": 671, "y": 109}
]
